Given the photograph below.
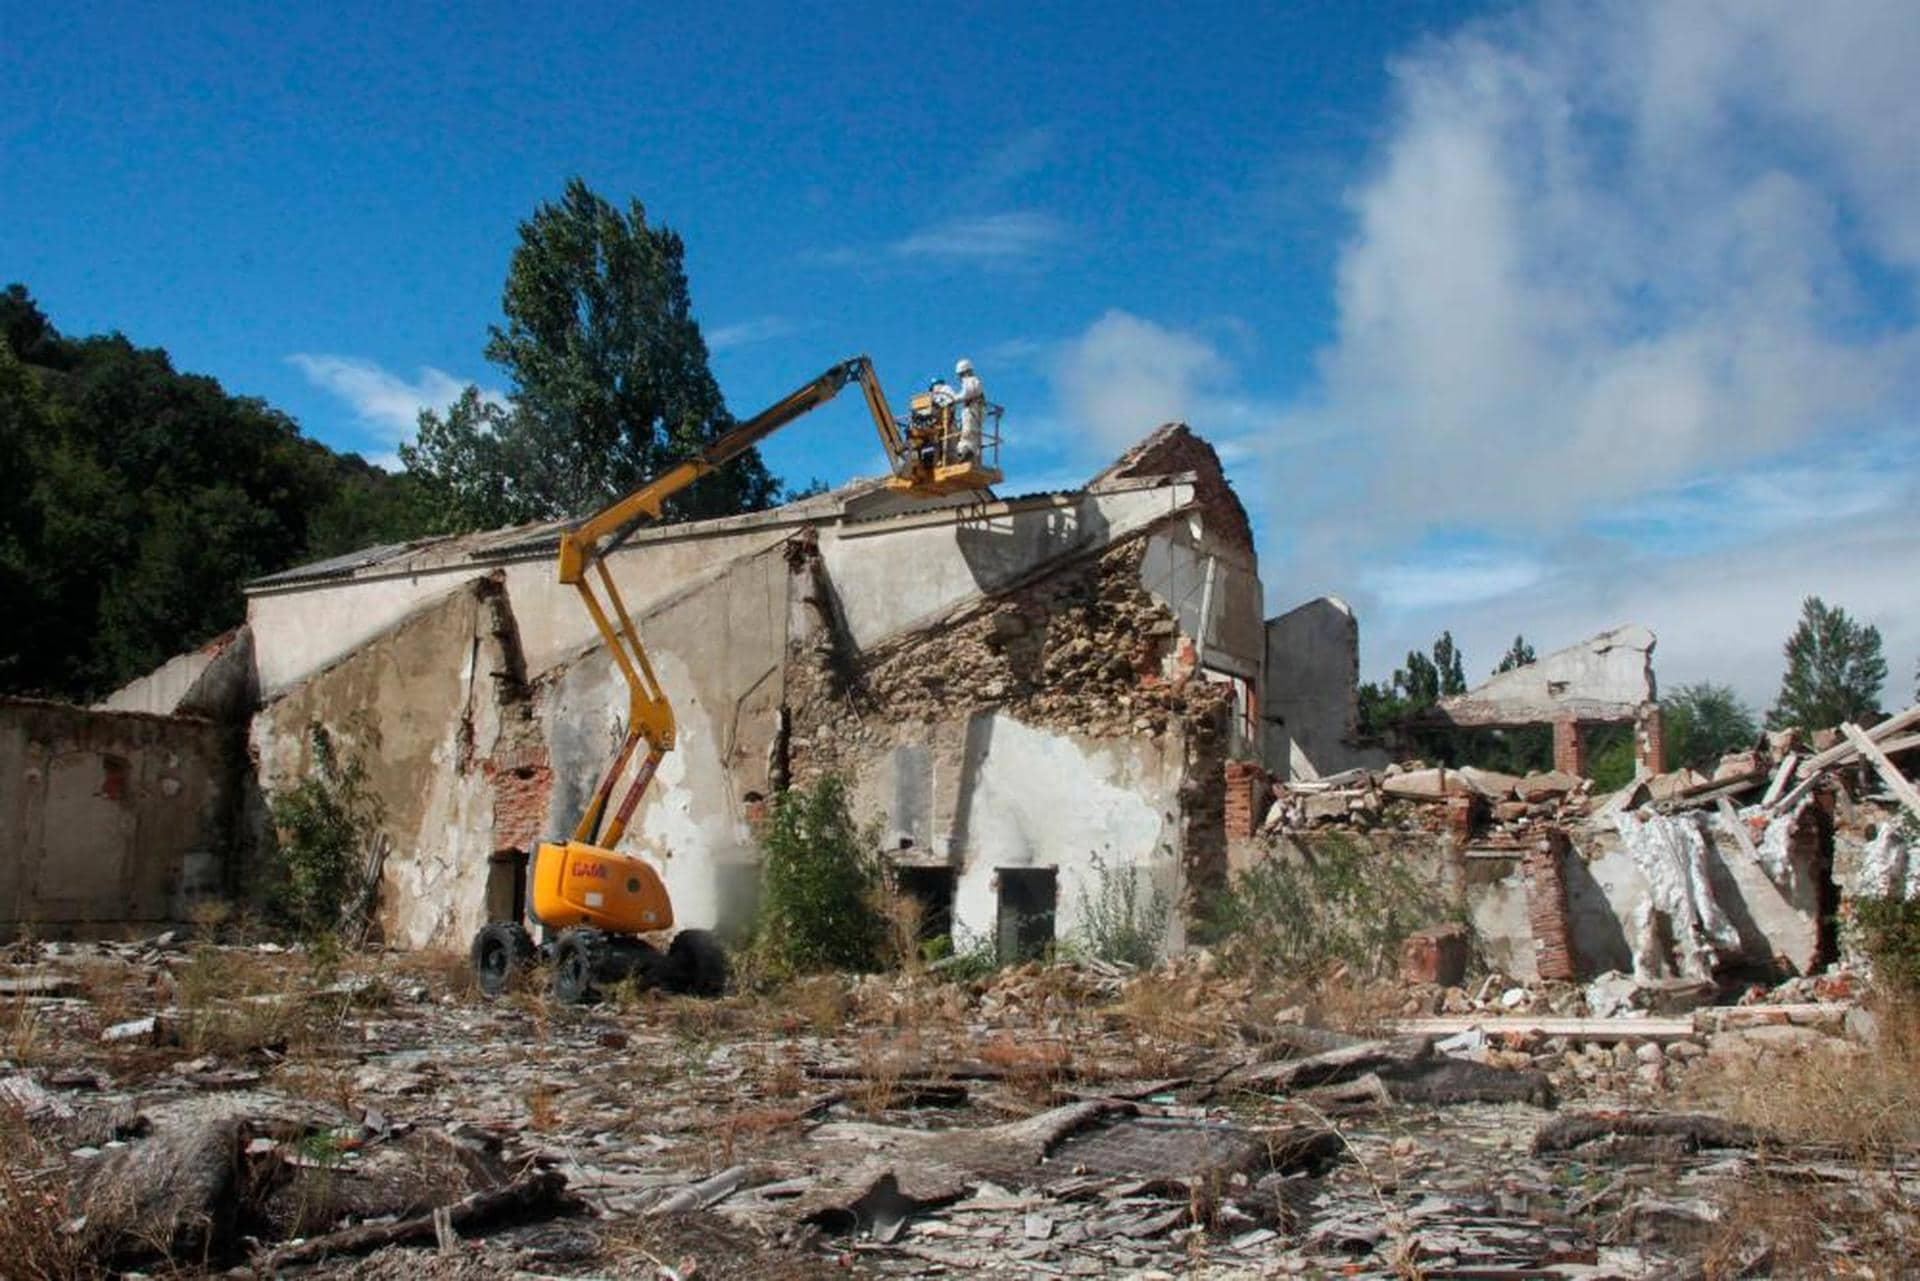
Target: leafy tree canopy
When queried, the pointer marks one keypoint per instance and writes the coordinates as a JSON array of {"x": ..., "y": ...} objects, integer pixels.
[
  {"x": 1519, "y": 654},
  {"x": 1703, "y": 722},
  {"x": 135, "y": 501},
  {"x": 610, "y": 381},
  {"x": 1835, "y": 670}
]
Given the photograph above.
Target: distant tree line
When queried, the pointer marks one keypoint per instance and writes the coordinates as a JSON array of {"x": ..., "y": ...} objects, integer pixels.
[
  {"x": 137, "y": 500},
  {"x": 1835, "y": 672}
]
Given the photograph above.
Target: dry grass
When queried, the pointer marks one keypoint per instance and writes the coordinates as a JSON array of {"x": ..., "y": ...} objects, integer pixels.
[
  {"x": 1837, "y": 1100},
  {"x": 818, "y": 1003},
  {"x": 1865, "y": 1101},
  {"x": 24, "y": 1036},
  {"x": 36, "y": 1196},
  {"x": 1035, "y": 1068}
]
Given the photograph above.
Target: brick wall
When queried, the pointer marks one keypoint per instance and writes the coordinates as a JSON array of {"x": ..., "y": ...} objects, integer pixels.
[
  {"x": 1249, "y": 791},
  {"x": 1547, "y": 904},
  {"x": 1569, "y": 748}
]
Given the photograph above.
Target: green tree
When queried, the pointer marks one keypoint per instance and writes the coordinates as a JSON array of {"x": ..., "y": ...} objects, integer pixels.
[
  {"x": 1703, "y": 722},
  {"x": 610, "y": 378},
  {"x": 820, "y": 878},
  {"x": 1447, "y": 665},
  {"x": 1519, "y": 654},
  {"x": 136, "y": 500},
  {"x": 1834, "y": 671}
]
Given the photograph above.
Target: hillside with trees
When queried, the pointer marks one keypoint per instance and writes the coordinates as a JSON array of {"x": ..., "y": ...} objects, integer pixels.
[{"x": 135, "y": 500}]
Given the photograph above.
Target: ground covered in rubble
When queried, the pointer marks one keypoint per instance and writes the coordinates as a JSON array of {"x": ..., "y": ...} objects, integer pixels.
[{"x": 172, "y": 1106}]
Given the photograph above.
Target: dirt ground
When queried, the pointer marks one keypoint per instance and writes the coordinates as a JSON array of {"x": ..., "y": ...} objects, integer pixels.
[{"x": 199, "y": 1108}]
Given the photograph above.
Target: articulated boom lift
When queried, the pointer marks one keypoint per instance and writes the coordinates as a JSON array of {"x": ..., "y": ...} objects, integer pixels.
[{"x": 595, "y": 903}]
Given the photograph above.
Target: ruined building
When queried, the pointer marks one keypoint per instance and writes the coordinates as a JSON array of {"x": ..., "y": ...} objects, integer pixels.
[{"x": 1029, "y": 694}]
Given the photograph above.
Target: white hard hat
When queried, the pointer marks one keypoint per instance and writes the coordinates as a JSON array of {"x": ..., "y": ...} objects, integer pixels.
[{"x": 964, "y": 366}]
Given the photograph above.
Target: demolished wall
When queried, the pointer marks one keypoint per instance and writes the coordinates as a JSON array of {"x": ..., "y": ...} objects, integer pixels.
[
  {"x": 110, "y": 819},
  {"x": 1109, "y": 638},
  {"x": 1064, "y": 725}
]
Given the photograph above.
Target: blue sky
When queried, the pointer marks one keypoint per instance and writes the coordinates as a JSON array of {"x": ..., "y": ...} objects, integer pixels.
[{"x": 1507, "y": 318}]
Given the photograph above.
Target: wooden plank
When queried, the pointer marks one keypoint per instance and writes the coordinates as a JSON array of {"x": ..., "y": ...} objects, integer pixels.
[
  {"x": 1908, "y": 794},
  {"x": 1738, "y": 826},
  {"x": 1617, "y": 1029},
  {"x": 1781, "y": 777}
]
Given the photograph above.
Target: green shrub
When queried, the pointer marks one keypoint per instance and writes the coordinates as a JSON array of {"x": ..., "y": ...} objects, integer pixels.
[
  {"x": 1887, "y": 930},
  {"x": 322, "y": 827},
  {"x": 820, "y": 877},
  {"x": 1340, "y": 900},
  {"x": 1889, "y": 933},
  {"x": 1116, "y": 925}
]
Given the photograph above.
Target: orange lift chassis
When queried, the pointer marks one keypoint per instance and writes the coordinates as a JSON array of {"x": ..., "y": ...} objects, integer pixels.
[{"x": 594, "y": 903}]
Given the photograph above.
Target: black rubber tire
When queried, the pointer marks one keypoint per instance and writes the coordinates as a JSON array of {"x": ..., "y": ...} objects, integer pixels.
[
  {"x": 578, "y": 958},
  {"x": 502, "y": 954},
  {"x": 696, "y": 964}
]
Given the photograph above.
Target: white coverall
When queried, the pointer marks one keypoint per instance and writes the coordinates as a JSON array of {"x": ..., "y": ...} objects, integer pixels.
[{"x": 973, "y": 416}]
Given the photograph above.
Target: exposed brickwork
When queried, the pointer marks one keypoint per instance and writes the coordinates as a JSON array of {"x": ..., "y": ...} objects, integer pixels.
[
  {"x": 1437, "y": 954},
  {"x": 1085, "y": 649},
  {"x": 1173, "y": 449},
  {"x": 1249, "y": 789},
  {"x": 1650, "y": 741},
  {"x": 1544, "y": 868},
  {"x": 1569, "y": 748},
  {"x": 520, "y": 796}
]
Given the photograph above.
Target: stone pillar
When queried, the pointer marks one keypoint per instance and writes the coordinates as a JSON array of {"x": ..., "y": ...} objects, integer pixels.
[
  {"x": 1544, "y": 868},
  {"x": 1650, "y": 742},
  {"x": 1569, "y": 748}
]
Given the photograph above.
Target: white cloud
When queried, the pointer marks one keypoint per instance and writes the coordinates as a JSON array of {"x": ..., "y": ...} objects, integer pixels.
[
  {"x": 1125, "y": 376},
  {"x": 1630, "y": 293},
  {"x": 999, "y": 238},
  {"x": 1453, "y": 579},
  {"x": 1613, "y": 248},
  {"x": 745, "y": 333},
  {"x": 1722, "y": 616},
  {"x": 383, "y": 401}
]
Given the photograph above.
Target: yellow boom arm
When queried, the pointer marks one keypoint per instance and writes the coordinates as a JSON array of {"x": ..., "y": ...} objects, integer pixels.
[{"x": 582, "y": 559}]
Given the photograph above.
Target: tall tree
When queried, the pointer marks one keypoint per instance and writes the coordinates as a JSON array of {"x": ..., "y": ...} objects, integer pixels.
[
  {"x": 1446, "y": 662},
  {"x": 1834, "y": 671},
  {"x": 1703, "y": 722},
  {"x": 1519, "y": 654},
  {"x": 609, "y": 371}
]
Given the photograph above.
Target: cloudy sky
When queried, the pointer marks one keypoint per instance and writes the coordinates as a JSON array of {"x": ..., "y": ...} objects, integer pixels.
[{"x": 1514, "y": 318}]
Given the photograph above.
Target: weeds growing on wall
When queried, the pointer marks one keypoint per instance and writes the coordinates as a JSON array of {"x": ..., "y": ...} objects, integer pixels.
[
  {"x": 821, "y": 883},
  {"x": 1118, "y": 923},
  {"x": 1340, "y": 900},
  {"x": 1888, "y": 932},
  {"x": 322, "y": 827}
]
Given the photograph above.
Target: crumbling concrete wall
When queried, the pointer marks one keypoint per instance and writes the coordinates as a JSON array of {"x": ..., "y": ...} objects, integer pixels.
[
  {"x": 1310, "y": 701},
  {"x": 215, "y": 681},
  {"x": 110, "y": 819},
  {"x": 1775, "y": 919},
  {"x": 1063, "y": 725},
  {"x": 423, "y": 705}
]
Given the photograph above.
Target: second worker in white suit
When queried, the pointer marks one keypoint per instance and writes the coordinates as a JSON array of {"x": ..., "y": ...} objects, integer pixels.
[{"x": 970, "y": 408}]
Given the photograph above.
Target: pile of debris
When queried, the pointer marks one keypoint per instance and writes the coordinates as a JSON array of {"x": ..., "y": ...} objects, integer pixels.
[
  {"x": 1765, "y": 782},
  {"x": 1417, "y": 797}
]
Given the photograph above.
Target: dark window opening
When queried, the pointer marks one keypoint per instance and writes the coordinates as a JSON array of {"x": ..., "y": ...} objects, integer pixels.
[
  {"x": 507, "y": 886},
  {"x": 932, "y": 888},
  {"x": 1025, "y": 926}
]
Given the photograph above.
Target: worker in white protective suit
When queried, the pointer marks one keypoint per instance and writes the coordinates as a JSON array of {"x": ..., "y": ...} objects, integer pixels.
[{"x": 971, "y": 409}]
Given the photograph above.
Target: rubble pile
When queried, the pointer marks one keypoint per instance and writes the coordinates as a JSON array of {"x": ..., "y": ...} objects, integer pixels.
[
  {"x": 1070, "y": 1119},
  {"x": 1758, "y": 786},
  {"x": 1085, "y": 648}
]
